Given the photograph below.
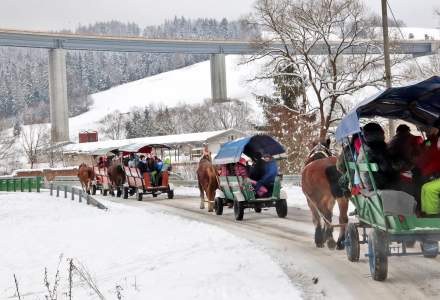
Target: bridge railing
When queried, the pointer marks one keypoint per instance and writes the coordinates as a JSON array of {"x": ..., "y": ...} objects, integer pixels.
[{"x": 21, "y": 184}]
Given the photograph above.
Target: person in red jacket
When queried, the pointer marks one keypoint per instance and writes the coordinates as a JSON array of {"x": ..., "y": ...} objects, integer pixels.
[{"x": 429, "y": 165}]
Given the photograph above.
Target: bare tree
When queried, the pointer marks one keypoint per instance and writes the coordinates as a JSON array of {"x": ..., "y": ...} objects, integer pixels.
[
  {"x": 234, "y": 114},
  {"x": 6, "y": 141},
  {"x": 333, "y": 26},
  {"x": 33, "y": 140},
  {"x": 112, "y": 125}
]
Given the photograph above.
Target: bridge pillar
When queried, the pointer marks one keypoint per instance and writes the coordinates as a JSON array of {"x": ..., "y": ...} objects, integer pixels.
[
  {"x": 59, "y": 110},
  {"x": 218, "y": 78}
]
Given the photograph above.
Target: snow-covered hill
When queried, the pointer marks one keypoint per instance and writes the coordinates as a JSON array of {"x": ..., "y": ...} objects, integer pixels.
[{"x": 189, "y": 85}]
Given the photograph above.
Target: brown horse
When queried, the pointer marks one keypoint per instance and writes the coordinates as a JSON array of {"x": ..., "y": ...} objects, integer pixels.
[
  {"x": 208, "y": 181},
  {"x": 86, "y": 175},
  {"x": 320, "y": 185},
  {"x": 116, "y": 175}
]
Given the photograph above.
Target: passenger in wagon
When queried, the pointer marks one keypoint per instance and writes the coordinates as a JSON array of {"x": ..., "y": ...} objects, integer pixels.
[
  {"x": 268, "y": 178},
  {"x": 375, "y": 149},
  {"x": 101, "y": 162},
  {"x": 404, "y": 148},
  {"x": 142, "y": 164},
  {"x": 258, "y": 168},
  {"x": 241, "y": 168},
  {"x": 429, "y": 165}
]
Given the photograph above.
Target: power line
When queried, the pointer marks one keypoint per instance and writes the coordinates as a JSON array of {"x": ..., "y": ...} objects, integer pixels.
[{"x": 403, "y": 36}]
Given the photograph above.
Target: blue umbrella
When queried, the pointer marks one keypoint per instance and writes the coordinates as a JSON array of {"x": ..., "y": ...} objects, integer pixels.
[{"x": 250, "y": 146}]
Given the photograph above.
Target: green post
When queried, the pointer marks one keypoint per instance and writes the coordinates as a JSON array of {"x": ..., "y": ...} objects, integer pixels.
[
  {"x": 14, "y": 186},
  {"x": 38, "y": 184},
  {"x": 7, "y": 185},
  {"x": 21, "y": 185},
  {"x": 30, "y": 184}
]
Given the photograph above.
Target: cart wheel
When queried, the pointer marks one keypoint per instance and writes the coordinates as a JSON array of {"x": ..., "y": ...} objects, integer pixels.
[
  {"x": 281, "y": 207},
  {"x": 429, "y": 249},
  {"x": 378, "y": 254},
  {"x": 218, "y": 206},
  {"x": 139, "y": 196},
  {"x": 104, "y": 192},
  {"x": 410, "y": 244},
  {"x": 238, "y": 210},
  {"x": 154, "y": 195},
  {"x": 126, "y": 193},
  {"x": 93, "y": 189},
  {"x": 170, "y": 194},
  {"x": 257, "y": 209},
  {"x": 118, "y": 192},
  {"x": 131, "y": 191},
  {"x": 352, "y": 242}
]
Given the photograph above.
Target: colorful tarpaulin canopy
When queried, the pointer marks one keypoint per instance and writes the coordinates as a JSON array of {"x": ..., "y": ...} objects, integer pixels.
[
  {"x": 142, "y": 148},
  {"x": 418, "y": 104},
  {"x": 250, "y": 146}
]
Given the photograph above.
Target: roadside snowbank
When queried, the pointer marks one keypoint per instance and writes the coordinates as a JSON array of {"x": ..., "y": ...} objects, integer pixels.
[{"x": 143, "y": 254}]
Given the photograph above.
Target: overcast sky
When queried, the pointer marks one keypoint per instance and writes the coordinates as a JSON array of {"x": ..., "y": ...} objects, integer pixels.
[{"x": 67, "y": 14}]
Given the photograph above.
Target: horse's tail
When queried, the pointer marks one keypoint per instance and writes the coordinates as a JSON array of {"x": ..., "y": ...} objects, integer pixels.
[
  {"x": 333, "y": 177},
  {"x": 120, "y": 171}
]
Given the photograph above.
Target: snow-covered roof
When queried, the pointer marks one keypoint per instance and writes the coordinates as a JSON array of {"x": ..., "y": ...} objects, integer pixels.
[{"x": 175, "y": 139}]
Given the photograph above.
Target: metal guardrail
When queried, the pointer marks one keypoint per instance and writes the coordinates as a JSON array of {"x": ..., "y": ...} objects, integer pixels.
[
  {"x": 90, "y": 200},
  {"x": 21, "y": 184}
]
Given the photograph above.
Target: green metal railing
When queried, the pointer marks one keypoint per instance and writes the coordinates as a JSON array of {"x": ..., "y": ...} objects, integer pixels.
[{"x": 21, "y": 184}]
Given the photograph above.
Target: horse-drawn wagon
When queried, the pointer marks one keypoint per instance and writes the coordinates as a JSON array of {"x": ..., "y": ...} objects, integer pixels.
[
  {"x": 152, "y": 182},
  {"x": 236, "y": 189},
  {"x": 102, "y": 181},
  {"x": 389, "y": 214}
]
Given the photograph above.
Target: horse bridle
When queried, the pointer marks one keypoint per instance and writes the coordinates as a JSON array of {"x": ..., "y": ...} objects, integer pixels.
[{"x": 320, "y": 148}]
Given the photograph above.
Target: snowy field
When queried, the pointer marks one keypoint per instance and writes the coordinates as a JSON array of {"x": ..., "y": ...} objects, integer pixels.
[{"x": 139, "y": 253}]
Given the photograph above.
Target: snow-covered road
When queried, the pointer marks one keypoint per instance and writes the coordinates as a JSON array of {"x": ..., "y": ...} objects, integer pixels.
[
  {"x": 290, "y": 243},
  {"x": 139, "y": 253}
]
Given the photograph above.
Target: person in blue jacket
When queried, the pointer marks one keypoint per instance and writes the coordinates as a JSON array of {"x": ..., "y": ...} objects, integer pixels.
[{"x": 270, "y": 173}]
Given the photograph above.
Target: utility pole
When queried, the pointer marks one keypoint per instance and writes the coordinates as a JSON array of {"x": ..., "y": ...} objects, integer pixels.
[{"x": 386, "y": 52}]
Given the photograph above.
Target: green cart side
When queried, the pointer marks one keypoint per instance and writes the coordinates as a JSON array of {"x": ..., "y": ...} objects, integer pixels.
[{"x": 238, "y": 191}]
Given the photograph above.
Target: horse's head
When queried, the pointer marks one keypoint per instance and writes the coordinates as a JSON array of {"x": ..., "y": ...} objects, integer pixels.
[{"x": 206, "y": 156}]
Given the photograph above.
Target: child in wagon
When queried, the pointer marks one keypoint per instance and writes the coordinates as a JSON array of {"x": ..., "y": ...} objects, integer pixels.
[{"x": 242, "y": 169}]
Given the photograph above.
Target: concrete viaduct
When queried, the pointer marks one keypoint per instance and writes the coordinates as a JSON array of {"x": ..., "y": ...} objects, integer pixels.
[{"x": 57, "y": 44}]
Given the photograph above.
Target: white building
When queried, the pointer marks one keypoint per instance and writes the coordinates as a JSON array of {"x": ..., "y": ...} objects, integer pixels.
[{"x": 185, "y": 147}]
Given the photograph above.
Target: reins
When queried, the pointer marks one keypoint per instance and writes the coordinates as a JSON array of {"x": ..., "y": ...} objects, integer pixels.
[{"x": 329, "y": 223}]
